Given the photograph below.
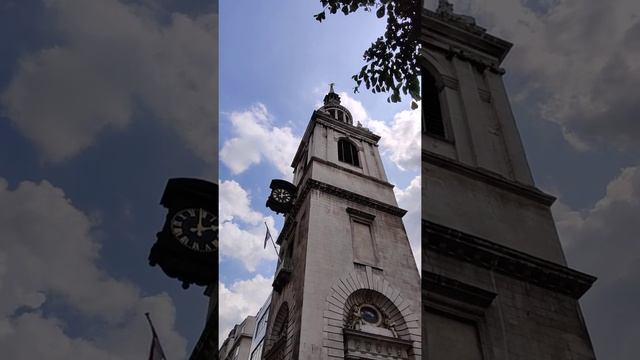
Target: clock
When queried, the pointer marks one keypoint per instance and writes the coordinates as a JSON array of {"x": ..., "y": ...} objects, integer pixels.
[
  {"x": 196, "y": 229},
  {"x": 282, "y": 196},
  {"x": 187, "y": 246}
]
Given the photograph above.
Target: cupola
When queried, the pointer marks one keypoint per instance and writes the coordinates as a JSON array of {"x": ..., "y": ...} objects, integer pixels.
[{"x": 333, "y": 108}]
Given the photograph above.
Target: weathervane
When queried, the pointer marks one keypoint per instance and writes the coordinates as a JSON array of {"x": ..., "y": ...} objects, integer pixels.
[{"x": 445, "y": 7}]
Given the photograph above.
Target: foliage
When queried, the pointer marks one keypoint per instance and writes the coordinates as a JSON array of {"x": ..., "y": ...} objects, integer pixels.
[{"x": 391, "y": 61}]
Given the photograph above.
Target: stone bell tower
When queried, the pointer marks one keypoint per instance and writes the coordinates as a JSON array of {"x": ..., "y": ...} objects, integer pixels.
[
  {"x": 495, "y": 281},
  {"x": 346, "y": 285}
]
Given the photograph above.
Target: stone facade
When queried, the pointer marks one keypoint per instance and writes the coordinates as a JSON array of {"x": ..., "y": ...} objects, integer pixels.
[
  {"x": 495, "y": 281},
  {"x": 237, "y": 345},
  {"x": 347, "y": 282}
]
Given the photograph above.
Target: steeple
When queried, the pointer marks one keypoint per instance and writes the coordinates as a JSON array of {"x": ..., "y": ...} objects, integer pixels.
[
  {"x": 331, "y": 98},
  {"x": 346, "y": 285},
  {"x": 332, "y": 107}
]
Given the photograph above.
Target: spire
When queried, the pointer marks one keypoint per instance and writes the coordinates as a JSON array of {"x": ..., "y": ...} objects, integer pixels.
[{"x": 331, "y": 98}]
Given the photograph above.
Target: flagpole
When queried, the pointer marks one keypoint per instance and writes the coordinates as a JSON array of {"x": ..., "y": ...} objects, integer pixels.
[
  {"x": 150, "y": 323},
  {"x": 154, "y": 341}
]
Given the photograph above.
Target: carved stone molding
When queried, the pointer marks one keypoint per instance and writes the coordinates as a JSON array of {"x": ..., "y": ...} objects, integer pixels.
[
  {"x": 342, "y": 168},
  {"x": 513, "y": 263},
  {"x": 360, "y": 133},
  {"x": 437, "y": 284},
  {"x": 488, "y": 177},
  {"x": 450, "y": 82},
  {"x": 439, "y": 31},
  {"x": 361, "y": 214},
  {"x": 362, "y": 345},
  {"x": 369, "y": 287},
  {"x": 312, "y": 184}
]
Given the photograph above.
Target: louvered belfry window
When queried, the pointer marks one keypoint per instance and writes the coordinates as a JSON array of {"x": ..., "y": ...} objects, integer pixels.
[
  {"x": 348, "y": 153},
  {"x": 432, "y": 122}
]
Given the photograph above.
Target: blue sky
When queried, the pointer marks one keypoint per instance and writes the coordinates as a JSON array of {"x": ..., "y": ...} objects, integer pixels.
[{"x": 90, "y": 131}]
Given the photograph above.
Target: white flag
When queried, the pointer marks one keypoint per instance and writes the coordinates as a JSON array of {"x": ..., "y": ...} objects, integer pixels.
[
  {"x": 155, "y": 353},
  {"x": 267, "y": 236}
]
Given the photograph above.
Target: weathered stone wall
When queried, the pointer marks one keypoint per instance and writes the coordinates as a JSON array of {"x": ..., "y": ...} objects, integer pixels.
[
  {"x": 523, "y": 322},
  {"x": 291, "y": 293},
  {"x": 483, "y": 205},
  {"x": 331, "y": 256}
]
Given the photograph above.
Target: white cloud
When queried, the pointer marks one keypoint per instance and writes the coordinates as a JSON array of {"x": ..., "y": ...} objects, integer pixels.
[
  {"x": 257, "y": 138},
  {"x": 47, "y": 249},
  {"x": 410, "y": 199},
  {"x": 583, "y": 57},
  {"x": 241, "y": 299},
  {"x": 110, "y": 57},
  {"x": 603, "y": 241},
  {"x": 242, "y": 229},
  {"x": 357, "y": 110},
  {"x": 400, "y": 139},
  {"x": 235, "y": 204}
]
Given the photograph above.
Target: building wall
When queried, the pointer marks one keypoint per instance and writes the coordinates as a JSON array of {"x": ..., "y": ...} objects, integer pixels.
[
  {"x": 237, "y": 346},
  {"x": 517, "y": 217},
  {"x": 524, "y": 321},
  {"x": 495, "y": 281},
  {"x": 330, "y": 243},
  {"x": 349, "y": 239}
]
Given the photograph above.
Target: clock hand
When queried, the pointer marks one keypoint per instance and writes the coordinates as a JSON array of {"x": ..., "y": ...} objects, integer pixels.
[
  {"x": 212, "y": 227},
  {"x": 198, "y": 228}
]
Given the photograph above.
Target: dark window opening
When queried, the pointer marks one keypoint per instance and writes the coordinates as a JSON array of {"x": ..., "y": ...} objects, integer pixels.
[
  {"x": 432, "y": 122},
  {"x": 348, "y": 153}
]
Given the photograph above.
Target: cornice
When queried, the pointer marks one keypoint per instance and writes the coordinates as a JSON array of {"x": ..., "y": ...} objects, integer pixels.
[
  {"x": 375, "y": 338},
  {"x": 360, "y": 214},
  {"x": 311, "y": 184},
  {"x": 345, "y": 169},
  {"x": 474, "y": 36},
  {"x": 486, "y": 254},
  {"x": 433, "y": 283},
  {"x": 355, "y": 131},
  {"x": 488, "y": 177}
]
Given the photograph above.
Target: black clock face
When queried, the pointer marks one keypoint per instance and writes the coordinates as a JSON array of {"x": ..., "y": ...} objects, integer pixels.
[
  {"x": 196, "y": 229},
  {"x": 282, "y": 196}
]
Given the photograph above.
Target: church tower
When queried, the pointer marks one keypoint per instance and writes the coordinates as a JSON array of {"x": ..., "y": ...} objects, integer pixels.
[
  {"x": 346, "y": 285},
  {"x": 496, "y": 285}
]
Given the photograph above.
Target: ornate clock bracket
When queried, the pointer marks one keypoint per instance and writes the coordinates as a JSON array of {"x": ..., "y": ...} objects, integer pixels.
[
  {"x": 282, "y": 197},
  {"x": 187, "y": 246}
]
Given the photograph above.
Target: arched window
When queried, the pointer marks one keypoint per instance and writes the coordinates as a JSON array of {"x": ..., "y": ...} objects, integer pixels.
[
  {"x": 279, "y": 331},
  {"x": 370, "y": 311},
  {"x": 432, "y": 122},
  {"x": 347, "y": 152}
]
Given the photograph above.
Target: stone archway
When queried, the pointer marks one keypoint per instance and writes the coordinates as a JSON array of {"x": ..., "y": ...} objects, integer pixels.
[
  {"x": 345, "y": 293},
  {"x": 277, "y": 339}
]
